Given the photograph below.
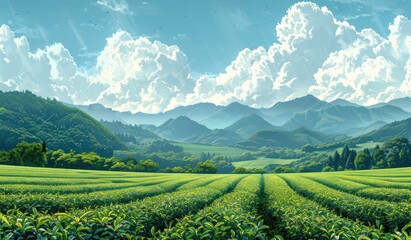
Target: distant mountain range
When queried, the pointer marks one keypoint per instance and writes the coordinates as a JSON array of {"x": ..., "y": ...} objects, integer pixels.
[
  {"x": 183, "y": 129},
  {"x": 247, "y": 126},
  {"x": 404, "y": 103},
  {"x": 336, "y": 117},
  {"x": 307, "y": 120},
  {"x": 289, "y": 139},
  {"x": 399, "y": 128}
]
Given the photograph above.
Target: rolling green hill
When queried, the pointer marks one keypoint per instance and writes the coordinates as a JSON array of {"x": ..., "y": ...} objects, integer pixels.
[
  {"x": 219, "y": 137},
  {"x": 339, "y": 119},
  {"x": 27, "y": 117},
  {"x": 247, "y": 126},
  {"x": 400, "y": 128},
  {"x": 197, "y": 149},
  {"x": 138, "y": 133},
  {"x": 181, "y": 129},
  {"x": 293, "y": 139}
]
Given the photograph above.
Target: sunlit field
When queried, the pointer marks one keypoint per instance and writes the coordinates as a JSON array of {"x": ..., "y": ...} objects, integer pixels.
[{"x": 79, "y": 204}]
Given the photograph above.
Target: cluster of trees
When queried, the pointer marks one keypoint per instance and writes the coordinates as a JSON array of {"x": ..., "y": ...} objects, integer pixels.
[
  {"x": 146, "y": 165},
  {"x": 340, "y": 162},
  {"x": 36, "y": 154},
  {"x": 202, "y": 167},
  {"x": 395, "y": 152},
  {"x": 126, "y": 138},
  {"x": 285, "y": 154},
  {"x": 308, "y": 148},
  {"x": 160, "y": 146},
  {"x": 25, "y": 154},
  {"x": 243, "y": 170}
]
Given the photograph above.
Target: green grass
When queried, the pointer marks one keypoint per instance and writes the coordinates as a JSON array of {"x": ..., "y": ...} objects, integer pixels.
[
  {"x": 262, "y": 162},
  {"x": 197, "y": 149}
]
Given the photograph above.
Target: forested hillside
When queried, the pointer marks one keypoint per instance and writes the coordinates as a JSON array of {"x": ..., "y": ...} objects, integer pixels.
[
  {"x": 27, "y": 117},
  {"x": 399, "y": 128}
]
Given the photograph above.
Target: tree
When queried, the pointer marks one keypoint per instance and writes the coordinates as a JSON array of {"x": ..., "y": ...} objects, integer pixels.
[
  {"x": 240, "y": 170},
  {"x": 32, "y": 154},
  {"x": 120, "y": 166},
  {"x": 203, "y": 156},
  {"x": 308, "y": 148},
  {"x": 336, "y": 160},
  {"x": 283, "y": 169},
  {"x": 398, "y": 152},
  {"x": 44, "y": 147},
  {"x": 205, "y": 167},
  {"x": 146, "y": 166},
  {"x": 378, "y": 157},
  {"x": 345, "y": 154},
  {"x": 350, "y": 161},
  {"x": 328, "y": 169},
  {"x": 362, "y": 161},
  {"x": 367, "y": 151},
  {"x": 178, "y": 169}
]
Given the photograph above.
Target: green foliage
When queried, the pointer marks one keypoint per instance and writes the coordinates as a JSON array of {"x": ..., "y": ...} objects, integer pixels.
[
  {"x": 362, "y": 161},
  {"x": 64, "y": 204},
  {"x": 138, "y": 219},
  {"x": 391, "y": 216},
  {"x": 161, "y": 146},
  {"x": 328, "y": 169},
  {"x": 397, "y": 128},
  {"x": 298, "y": 218},
  {"x": 232, "y": 216},
  {"x": 33, "y": 119},
  {"x": 241, "y": 170},
  {"x": 205, "y": 167},
  {"x": 28, "y": 154},
  {"x": 395, "y": 152},
  {"x": 308, "y": 148},
  {"x": 130, "y": 133},
  {"x": 398, "y": 152},
  {"x": 283, "y": 169}
]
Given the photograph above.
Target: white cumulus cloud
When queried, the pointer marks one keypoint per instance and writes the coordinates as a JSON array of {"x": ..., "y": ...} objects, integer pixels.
[
  {"x": 315, "y": 53},
  {"x": 371, "y": 69},
  {"x": 307, "y": 35},
  {"x": 49, "y": 72},
  {"x": 140, "y": 75}
]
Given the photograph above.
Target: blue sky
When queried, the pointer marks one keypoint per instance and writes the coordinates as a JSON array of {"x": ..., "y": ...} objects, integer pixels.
[
  {"x": 154, "y": 55},
  {"x": 210, "y": 32}
]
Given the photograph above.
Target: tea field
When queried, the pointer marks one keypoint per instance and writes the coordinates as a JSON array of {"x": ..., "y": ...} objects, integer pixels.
[{"x": 41, "y": 203}]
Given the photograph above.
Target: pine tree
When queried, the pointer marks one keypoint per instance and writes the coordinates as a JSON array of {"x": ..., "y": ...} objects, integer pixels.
[
  {"x": 44, "y": 147},
  {"x": 345, "y": 154},
  {"x": 336, "y": 160},
  {"x": 350, "y": 161},
  {"x": 330, "y": 161}
]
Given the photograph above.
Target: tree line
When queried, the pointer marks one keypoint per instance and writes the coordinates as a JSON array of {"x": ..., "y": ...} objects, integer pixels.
[
  {"x": 37, "y": 154},
  {"x": 394, "y": 153}
]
